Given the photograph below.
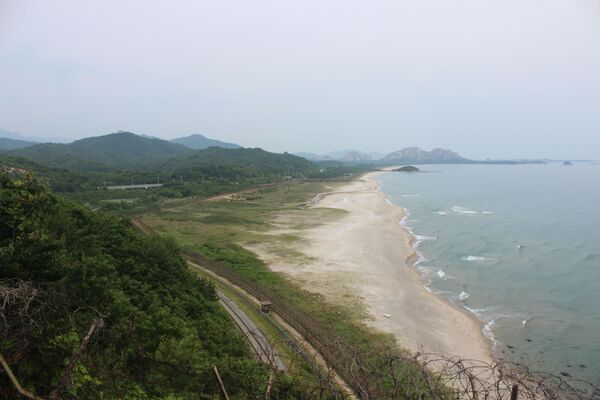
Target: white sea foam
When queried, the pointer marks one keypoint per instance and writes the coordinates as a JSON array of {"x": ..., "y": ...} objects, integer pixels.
[
  {"x": 487, "y": 328},
  {"x": 442, "y": 274},
  {"x": 404, "y": 219},
  {"x": 420, "y": 258},
  {"x": 463, "y": 210},
  {"x": 488, "y": 333},
  {"x": 424, "y": 270},
  {"x": 441, "y": 212},
  {"x": 463, "y": 296},
  {"x": 476, "y": 311},
  {"x": 468, "y": 211},
  {"x": 424, "y": 237},
  {"x": 409, "y": 195},
  {"x": 474, "y": 258}
]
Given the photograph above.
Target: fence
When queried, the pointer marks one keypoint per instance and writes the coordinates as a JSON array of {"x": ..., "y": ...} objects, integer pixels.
[{"x": 387, "y": 374}]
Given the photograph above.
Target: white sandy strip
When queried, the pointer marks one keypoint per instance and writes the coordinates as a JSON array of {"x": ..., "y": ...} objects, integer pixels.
[{"x": 370, "y": 249}]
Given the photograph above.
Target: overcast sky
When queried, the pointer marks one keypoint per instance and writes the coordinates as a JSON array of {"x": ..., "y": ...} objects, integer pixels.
[{"x": 486, "y": 78}]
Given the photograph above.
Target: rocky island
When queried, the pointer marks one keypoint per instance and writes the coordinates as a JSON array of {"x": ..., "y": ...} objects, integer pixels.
[{"x": 407, "y": 168}]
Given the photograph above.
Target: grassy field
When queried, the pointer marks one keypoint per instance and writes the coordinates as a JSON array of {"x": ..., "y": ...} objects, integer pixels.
[
  {"x": 224, "y": 229},
  {"x": 294, "y": 362}
]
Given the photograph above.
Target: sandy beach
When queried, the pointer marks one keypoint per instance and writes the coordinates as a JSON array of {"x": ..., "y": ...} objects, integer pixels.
[{"x": 364, "y": 257}]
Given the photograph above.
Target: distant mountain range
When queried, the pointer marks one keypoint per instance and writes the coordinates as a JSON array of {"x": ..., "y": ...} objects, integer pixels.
[
  {"x": 12, "y": 141},
  {"x": 343, "y": 155},
  {"x": 417, "y": 156},
  {"x": 127, "y": 151},
  {"x": 30, "y": 138},
  {"x": 409, "y": 155},
  {"x": 198, "y": 142}
]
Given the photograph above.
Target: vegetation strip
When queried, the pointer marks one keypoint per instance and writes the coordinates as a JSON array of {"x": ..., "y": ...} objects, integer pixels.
[
  {"x": 379, "y": 371},
  {"x": 64, "y": 269},
  {"x": 297, "y": 344},
  {"x": 256, "y": 338}
]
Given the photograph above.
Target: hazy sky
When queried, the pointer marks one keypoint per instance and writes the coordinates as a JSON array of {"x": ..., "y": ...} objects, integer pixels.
[{"x": 487, "y": 78}]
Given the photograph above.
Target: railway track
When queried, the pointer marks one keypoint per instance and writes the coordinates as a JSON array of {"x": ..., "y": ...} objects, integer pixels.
[{"x": 261, "y": 347}]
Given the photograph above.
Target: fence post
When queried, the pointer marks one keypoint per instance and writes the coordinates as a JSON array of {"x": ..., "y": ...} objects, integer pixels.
[
  {"x": 223, "y": 390},
  {"x": 514, "y": 393}
]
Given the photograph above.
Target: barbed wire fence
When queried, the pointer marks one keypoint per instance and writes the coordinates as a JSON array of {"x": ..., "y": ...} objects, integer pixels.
[
  {"x": 423, "y": 375},
  {"x": 427, "y": 375},
  {"x": 392, "y": 374}
]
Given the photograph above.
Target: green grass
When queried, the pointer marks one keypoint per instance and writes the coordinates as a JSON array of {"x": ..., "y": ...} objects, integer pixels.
[
  {"x": 220, "y": 229},
  {"x": 224, "y": 230},
  {"x": 295, "y": 364}
]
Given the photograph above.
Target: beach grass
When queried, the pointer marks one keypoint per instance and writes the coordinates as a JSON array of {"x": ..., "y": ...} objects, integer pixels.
[
  {"x": 224, "y": 231},
  {"x": 227, "y": 230}
]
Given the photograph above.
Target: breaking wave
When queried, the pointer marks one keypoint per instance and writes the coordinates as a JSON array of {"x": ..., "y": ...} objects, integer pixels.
[
  {"x": 468, "y": 211},
  {"x": 474, "y": 258}
]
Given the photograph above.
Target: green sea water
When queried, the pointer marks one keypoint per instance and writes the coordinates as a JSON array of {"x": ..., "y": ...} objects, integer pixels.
[{"x": 517, "y": 245}]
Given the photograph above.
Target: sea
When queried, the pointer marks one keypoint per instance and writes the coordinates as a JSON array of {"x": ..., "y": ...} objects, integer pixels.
[{"x": 518, "y": 246}]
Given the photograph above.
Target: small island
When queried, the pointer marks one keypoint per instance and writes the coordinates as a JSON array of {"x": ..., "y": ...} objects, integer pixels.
[
  {"x": 567, "y": 163},
  {"x": 407, "y": 168}
]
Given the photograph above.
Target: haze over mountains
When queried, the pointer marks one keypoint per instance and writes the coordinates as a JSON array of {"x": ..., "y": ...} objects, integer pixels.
[
  {"x": 407, "y": 155},
  {"x": 7, "y": 144},
  {"x": 198, "y": 142},
  {"x": 31, "y": 138},
  {"x": 125, "y": 150},
  {"x": 12, "y": 140},
  {"x": 121, "y": 150},
  {"x": 91, "y": 153}
]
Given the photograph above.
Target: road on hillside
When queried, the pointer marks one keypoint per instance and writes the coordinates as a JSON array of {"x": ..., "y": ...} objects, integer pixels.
[{"x": 255, "y": 337}]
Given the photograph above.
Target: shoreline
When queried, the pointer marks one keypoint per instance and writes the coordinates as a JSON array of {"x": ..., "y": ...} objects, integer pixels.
[
  {"x": 416, "y": 257},
  {"x": 394, "y": 293}
]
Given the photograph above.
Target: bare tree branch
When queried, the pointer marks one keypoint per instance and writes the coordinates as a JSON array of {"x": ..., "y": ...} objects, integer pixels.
[{"x": 15, "y": 381}]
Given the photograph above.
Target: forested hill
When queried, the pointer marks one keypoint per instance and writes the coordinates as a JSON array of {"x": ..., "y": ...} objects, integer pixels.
[
  {"x": 125, "y": 151},
  {"x": 116, "y": 151},
  {"x": 205, "y": 171},
  {"x": 155, "y": 329},
  {"x": 231, "y": 163}
]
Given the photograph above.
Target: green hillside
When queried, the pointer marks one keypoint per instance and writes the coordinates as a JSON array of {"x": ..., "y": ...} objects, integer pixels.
[
  {"x": 156, "y": 329},
  {"x": 7, "y": 144},
  {"x": 234, "y": 163},
  {"x": 117, "y": 151}
]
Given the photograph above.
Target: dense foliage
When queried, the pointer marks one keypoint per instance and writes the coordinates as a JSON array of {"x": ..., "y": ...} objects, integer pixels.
[
  {"x": 162, "y": 327},
  {"x": 238, "y": 163},
  {"x": 83, "y": 169}
]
